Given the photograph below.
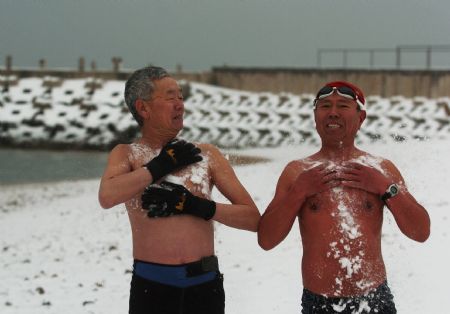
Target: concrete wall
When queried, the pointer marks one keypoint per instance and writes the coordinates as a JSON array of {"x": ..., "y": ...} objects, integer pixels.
[{"x": 386, "y": 83}]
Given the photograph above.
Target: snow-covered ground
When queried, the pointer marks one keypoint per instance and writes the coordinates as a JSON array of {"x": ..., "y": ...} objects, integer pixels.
[{"x": 62, "y": 253}]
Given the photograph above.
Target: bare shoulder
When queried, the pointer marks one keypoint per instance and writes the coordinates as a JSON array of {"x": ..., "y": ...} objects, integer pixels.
[
  {"x": 208, "y": 149},
  {"x": 212, "y": 153},
  {"x": 118, "y": 160},
  {"x": 121, "y": 149},
  {"x": 382, "y": 164}
]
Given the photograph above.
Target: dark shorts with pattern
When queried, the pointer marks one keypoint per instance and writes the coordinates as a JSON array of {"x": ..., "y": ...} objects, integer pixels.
[
  {"x": 378, "y": 301},
  {"x": 193, "y": 288}
]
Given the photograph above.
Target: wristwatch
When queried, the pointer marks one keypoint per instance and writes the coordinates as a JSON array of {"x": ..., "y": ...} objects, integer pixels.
[{"x": 391, "y": 191}]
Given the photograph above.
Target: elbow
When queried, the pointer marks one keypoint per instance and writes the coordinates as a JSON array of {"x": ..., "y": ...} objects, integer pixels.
[
  {"x": 264, "y": 243},
  {"x": 105, "y": 201},
  {"x": 423, "y": 236},
  {"x": 426, "y": 230}
]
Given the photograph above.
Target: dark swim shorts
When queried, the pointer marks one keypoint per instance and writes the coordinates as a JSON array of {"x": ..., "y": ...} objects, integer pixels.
[
  {"x": 379, "y": 301},
  {"x": 193, "y": 288}
]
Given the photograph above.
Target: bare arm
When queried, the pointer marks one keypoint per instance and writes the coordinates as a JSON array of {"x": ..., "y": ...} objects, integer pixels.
[
  {"x": 279, "y": 216},
  {"x": 242, "y": 213},
  {"x": 412, "y": 219},
  {"x": 294, "y": 187},
  {"x": 119, "y": 182}
]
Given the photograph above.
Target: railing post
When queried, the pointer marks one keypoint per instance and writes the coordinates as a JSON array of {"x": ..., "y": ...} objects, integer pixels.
[
  {"x": 81, "y": 63},
  {"x": 42, "y": 64},
  {"x": 429, "y": 57},
  {"x": 372, "y": 58},
  {"x": 8, "y": 64},
  {"x": 319, "y": 58},
  {"x": 344, "y": 58},
  {"x": 398, "y": 61}
]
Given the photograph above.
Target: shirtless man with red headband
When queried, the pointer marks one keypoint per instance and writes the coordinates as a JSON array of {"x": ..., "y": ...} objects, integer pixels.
[{"x": 338, "y": 195}]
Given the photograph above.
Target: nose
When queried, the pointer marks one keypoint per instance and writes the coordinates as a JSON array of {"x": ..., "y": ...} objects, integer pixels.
[
  {"x": 179, "y": 104},
  {"x": 333, "y": 112}
]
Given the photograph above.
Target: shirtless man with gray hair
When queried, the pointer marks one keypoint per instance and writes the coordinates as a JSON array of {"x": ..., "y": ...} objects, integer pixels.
[
  {"x": 166, "y": 184},
  {"x": 338, "y": 195}
]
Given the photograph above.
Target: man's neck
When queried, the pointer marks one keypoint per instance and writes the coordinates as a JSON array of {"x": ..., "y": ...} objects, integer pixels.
[
  {"x": 338, "y": 151},
  {"x": 156, "y": 138}
]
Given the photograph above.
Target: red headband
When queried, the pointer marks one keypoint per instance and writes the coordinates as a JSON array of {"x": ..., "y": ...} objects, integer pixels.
[{"x": 355, "y": 88}]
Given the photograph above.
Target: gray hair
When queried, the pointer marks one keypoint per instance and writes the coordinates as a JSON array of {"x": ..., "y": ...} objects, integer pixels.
[{"x": 140, "y": 86}]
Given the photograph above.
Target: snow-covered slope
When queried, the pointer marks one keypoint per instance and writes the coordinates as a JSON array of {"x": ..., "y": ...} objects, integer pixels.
[{"x": 91, "y": 112}]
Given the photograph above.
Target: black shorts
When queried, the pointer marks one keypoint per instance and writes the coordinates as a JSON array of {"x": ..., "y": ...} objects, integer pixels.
[
  {"x": 153, "y": 297},
  {"x": 380, "y": 301}
]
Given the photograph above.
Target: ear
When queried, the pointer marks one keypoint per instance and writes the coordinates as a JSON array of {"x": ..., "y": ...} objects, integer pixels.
[
  {"x": 142, "y": 109},
  {"x": 362, "y": 117}
]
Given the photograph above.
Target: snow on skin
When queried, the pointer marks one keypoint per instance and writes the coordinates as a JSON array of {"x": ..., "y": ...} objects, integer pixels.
[
  {"x": 197, "y": 174},
  {"x": 348, "y": 228}
]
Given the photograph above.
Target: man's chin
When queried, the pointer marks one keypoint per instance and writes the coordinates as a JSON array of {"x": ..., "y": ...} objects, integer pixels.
[{"x": 177, "y": 126}]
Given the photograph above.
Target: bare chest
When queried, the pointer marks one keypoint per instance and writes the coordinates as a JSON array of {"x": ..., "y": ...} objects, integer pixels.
[{"x": 346, "y": 211}]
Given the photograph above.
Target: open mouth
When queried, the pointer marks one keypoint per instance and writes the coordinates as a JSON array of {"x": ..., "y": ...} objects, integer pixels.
[
  {"x": 333, "y": 126},
  {"x": 178, "y": 117}
]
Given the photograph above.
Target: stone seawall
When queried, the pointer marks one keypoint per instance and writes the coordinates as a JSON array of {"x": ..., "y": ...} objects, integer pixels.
[{"x": 90, "y": 113}]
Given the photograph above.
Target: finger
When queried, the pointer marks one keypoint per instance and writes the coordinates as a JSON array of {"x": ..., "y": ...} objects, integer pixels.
[
  {"x": 193, "y": 160},
  {"x": 173, "y": 190},
  {"x": 333, "y": 183},
  {"x": 348, "y": 177},
  {"x": 172, "y": 142},
  {"x": 330, "y": 176},
  {"x": 352, "y": 184},
  {"x": 169, "y": 186},
  {"x": 188, "y": 146},
  {"x": 195, "y": 150},
  {"x": 349, "y": 171},
  {"x": 159, "y": 194},
  {"x": 181, "y": 143}
]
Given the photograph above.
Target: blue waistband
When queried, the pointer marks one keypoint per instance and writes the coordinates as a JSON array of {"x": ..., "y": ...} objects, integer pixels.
[{"x": 173, "y": 275}]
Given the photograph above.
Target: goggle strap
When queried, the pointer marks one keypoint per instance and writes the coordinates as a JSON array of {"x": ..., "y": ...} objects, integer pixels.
[{"x": 334, "y": 88}]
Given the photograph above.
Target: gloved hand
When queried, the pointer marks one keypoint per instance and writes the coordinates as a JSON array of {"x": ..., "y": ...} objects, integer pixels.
[
  {"x": 174, "y": 155},
  {"x": 173, "y": 199}
]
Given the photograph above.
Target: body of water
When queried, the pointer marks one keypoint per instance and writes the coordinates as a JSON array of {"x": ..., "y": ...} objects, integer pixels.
[{"x": 31, "y": 166}]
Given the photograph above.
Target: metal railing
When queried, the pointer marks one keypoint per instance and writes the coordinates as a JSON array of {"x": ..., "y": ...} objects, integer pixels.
[{"x": 398, "y": 53}]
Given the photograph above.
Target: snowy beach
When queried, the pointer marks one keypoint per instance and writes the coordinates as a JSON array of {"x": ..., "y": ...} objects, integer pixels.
[{"x": 62, "y": 253}]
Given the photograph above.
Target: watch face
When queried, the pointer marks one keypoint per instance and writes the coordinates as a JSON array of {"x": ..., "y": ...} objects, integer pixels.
[{"x": 393, "y": 189}]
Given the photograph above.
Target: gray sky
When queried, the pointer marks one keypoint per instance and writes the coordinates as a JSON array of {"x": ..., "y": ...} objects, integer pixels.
[{"x": 202, "y": 33}]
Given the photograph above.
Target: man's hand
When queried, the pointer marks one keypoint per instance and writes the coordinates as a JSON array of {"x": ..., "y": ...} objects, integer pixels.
[
  {"x": 174, "y": 155},
  {"x": 315, "y": 180},
  {"x": 356, "y": 175},
  {"x": 173, "y": 199}
]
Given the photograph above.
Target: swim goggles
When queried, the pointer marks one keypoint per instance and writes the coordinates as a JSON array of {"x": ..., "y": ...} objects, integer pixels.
[{"x": 343, "y": 91}]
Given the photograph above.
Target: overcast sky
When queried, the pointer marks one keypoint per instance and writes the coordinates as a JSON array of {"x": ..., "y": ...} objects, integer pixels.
[{"x": 200, "y": 34}]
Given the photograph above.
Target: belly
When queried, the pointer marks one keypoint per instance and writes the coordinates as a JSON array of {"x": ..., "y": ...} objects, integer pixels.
[
  {"x": 170, "y": 240},
  {"x": 341, "y": 236},
  {"x": 338, "y": 267}
]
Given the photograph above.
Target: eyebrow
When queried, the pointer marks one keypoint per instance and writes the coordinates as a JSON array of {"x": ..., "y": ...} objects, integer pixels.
[{"x": 174, "y": 91}]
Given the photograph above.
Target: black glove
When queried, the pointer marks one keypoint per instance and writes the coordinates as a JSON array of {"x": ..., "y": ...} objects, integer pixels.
[
  {"x": 173, "y": 199},
  {"x": 174, "y": 155}
]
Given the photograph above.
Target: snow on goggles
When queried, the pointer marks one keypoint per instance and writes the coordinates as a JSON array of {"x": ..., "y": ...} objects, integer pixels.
[{"x": 343, "y": 91}]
